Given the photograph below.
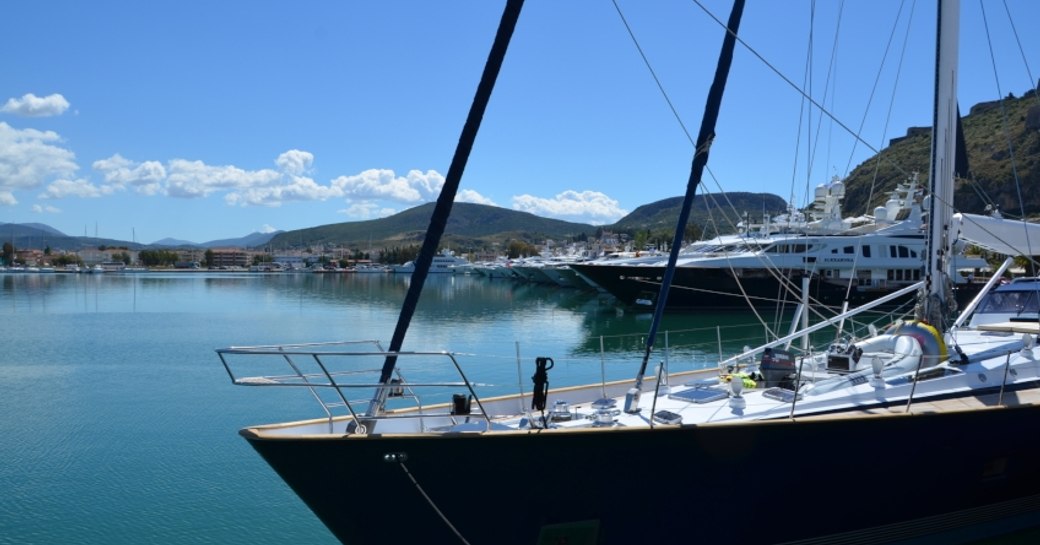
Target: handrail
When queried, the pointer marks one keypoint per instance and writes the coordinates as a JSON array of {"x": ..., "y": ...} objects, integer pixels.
[
  {"x": 968, "y": 310},
  {"x": 826, "y": 323},
  {"x": 330, "y": 367}
]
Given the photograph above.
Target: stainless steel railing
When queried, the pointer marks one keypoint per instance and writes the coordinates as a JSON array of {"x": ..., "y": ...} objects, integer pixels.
[{"x": 332, "y": 371}]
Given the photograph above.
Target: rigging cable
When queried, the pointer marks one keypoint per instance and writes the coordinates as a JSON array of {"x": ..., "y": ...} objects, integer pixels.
[
  {"x": 441, "y": 211},
  {"x": 1007, "y": 132},
  {"x": 652, "y": 72},
  {"x": 1032, "y": 81},
  {"x": 430, "y": 501},
  {"x": 783, "y": 280},
  {"x": 675, "y": 113},
  {"x": 798, "y": 89},
  {"x": 826, "y": 93},
  {"x": 700, "y": 159}
]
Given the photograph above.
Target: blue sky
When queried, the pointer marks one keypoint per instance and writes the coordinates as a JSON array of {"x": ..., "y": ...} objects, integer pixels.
[{"x": 207, "y": 120}]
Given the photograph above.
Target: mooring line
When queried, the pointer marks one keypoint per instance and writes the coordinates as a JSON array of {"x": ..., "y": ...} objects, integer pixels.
[{"x": 433, "y": 505}]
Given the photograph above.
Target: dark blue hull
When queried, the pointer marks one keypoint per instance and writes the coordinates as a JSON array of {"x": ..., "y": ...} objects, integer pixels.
[
  {"x": 926, "y": 478},
  {"x": 694, "y": 288}
]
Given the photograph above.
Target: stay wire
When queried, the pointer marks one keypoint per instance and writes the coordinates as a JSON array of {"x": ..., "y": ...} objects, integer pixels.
[
  {"x": 657, "y": 81},
  {"x": 1004, "y": 125},
  {"x": 798, "y": 89},
  {"x": 678, "y": 119},
  {"x": 1032, "y": 81}
]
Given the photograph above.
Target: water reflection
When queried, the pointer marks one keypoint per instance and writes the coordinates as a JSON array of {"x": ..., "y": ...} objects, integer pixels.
[{"x": 460, "y": 313}]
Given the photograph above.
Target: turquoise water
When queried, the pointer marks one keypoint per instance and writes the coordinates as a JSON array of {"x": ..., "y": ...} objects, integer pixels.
[{"x": 119, "y": 423}]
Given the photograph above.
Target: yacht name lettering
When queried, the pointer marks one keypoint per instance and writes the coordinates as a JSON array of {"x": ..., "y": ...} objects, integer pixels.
[{"x": 837, "y": 259}]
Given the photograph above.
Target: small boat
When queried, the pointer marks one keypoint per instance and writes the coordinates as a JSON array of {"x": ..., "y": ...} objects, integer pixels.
[{"x": 444, "y": 263}]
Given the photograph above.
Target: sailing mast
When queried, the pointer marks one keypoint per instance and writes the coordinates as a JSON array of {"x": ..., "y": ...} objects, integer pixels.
[
  {"x": 937, "y": 305},
  {"x": 700, "y": 160},
  {"x": 441, "y": 211}
]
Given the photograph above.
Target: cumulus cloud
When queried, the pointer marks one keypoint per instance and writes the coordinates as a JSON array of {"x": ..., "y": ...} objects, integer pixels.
[
  {"x": 31, "y": 105},
  {"x": 584, "y": 206},
  {"x": 298, "y": 189},
  {"x": 60, "y": 189},
  {"x": 192, "y": 179},
  {"x": 40, "y": 209},
  {"x": 468, "y": 195},
  {"x": 367, "y": 210},
  {"x": 414, "y": 187},
  {"x": 145, "y": 178},
  {"x": 295, "y": 162},
  {"x": 29, "y": 158}
]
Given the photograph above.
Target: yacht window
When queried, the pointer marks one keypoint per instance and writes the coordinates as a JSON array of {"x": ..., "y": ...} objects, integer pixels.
[
  {"x": 891, "y": 251},
  {"x": 866, "y": 251},
  {"x": 891, "y": 274},
  {"x": 850, "y": 250},
  {"x": 904, "y": 252},
  {"x": 1016, "y": 302}
]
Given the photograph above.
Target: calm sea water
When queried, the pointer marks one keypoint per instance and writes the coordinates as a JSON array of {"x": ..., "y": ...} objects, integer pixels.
[{"x": 119, "y": 423}]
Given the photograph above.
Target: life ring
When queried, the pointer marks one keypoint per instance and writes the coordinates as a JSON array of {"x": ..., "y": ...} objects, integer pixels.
[{"x": 933, "y": 347}]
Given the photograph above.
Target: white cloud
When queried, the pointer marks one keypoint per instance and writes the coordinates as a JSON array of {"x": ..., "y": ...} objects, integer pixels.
[
  {"x": 60, "y": 189},
  {"x": 583, "y": 206},
  {"x": 29, "y": 158},
  {"x": 367, "y": 210},
  {"x": 299, "y": 189},
  {"x": 192, "y": 179},
  {"x": 295, "y": 162},
  {"x": 414, "y": 187},
  {"x": 31, "y": 105},
  {"x": 38, "y": 209},
  {"x": 468, "y": 195},
  {"x": 145, "y": 178},
  {"x": 265, "y": 228}
]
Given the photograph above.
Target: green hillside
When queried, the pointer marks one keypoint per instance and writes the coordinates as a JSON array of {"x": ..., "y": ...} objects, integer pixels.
[
  {"x": 470, "y": 225},
  {"x": 991, "y": 176},
  {"x": 480, "y": 226}
]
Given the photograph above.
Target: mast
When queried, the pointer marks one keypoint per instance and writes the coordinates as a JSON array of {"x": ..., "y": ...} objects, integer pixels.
[
  {"x": 700, "y": 160},
  {"x": 441, "y": 211},
  {"x": 936, "y": 302}
]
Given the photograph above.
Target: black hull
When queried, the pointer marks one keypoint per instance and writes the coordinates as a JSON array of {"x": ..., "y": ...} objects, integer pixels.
[
  {"x": 694, "y": 288},
  {"x": 952, "y": 476}
]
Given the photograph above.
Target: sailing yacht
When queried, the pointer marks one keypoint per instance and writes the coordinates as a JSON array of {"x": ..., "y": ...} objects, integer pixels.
[{"x": 918, "y": 433}]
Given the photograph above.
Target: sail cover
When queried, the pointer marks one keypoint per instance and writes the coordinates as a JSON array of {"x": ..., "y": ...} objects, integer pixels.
[{"x": 1003, "y": 236}]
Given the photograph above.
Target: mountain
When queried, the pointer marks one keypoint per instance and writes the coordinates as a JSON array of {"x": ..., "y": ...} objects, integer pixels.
[
  {"x": 40, "y": 236},
  {"x": 470, "y": 225},
  {"x": 724, "y": 210},
  {"x": 175, "y": 243},
  {"x": 482, "y": 226},
  {"x": 252, "y": 240},
  {"x": 991, "y": 176}
]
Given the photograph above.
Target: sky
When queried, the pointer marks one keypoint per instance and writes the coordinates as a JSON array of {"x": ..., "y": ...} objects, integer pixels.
[{"x": 208, "y": 120}]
